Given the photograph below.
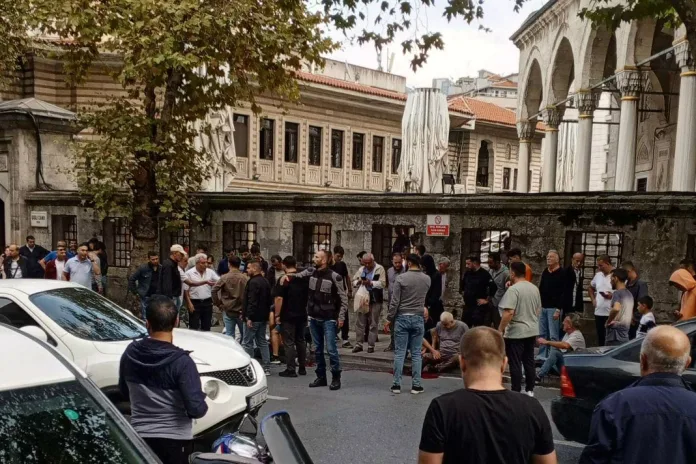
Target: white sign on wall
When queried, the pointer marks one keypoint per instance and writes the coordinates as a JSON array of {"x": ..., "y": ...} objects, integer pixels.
[
  {"x": 39, "y": 219},
  {"x": 438, "y": 225}
]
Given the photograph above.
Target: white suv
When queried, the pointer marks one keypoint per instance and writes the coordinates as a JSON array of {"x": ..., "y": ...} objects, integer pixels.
[{"x": 93, "y": 332}]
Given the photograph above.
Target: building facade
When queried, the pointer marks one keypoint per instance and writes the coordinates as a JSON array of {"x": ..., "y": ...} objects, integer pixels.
[{"x": 634, "y": 86}]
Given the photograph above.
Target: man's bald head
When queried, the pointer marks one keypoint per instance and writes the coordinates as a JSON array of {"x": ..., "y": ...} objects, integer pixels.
[
  {"x": 482, "y": 347},
  {"x": 665, "y": 349}
]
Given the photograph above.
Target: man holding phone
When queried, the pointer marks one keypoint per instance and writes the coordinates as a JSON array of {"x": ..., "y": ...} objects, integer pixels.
[
  {"x": 600, "y": 292},
  {"x": 373, "y": 277}
]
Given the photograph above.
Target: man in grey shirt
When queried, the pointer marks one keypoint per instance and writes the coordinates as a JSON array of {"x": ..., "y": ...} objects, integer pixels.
[
  {"x": 82, "y": 269},
  {"x": 393, "y": 272},
  {"x": 407, "y": 312},
  {"x": 500, "y": 274}
]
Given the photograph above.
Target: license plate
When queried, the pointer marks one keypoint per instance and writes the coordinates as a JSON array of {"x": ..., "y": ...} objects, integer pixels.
[{"x": 257, "y": 399}]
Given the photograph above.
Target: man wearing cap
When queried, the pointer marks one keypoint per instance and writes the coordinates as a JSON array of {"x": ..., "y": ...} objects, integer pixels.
[{"x": 169, "y": 277}]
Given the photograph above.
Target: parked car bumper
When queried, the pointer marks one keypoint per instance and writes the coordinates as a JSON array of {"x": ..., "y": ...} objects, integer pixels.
[{"x": 572, "y": 417}]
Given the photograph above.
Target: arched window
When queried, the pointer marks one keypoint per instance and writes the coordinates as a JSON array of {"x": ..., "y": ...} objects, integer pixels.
[{"x": 482, "y": 170}]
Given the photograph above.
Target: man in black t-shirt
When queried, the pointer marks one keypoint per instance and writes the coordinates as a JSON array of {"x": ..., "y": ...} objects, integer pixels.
[
  {"x": 340, "y": 268},
  {"x": 474, "y": 425},
  {"x": 291, "y": 317}
]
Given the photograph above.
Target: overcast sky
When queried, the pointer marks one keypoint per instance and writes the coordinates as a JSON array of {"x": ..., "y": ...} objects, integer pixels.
[{"x": 467, "y": 49}]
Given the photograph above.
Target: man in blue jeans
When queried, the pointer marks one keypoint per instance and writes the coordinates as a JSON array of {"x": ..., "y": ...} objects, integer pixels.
[
  {"x": 551, "y": 288},
  {"x": 327, "y": 304},
  {"x": 257, "y": 308},
  {"x": 407, "y": 312}
]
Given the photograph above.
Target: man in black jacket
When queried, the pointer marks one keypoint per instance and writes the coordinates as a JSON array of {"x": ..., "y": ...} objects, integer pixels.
[
  {"x": 145, "y": 281},
  {"x": 573, "y": 301},
  {"x": 478, "y": 288},
  {"x": 291, "y": 315},
  {"x": 257, "y": 308},
  {"x": 169, "y": 276},
  {"x": 32, "y": 254},
  {"x": 15, "y": 266},
  {"x": 163, "y": 386}
]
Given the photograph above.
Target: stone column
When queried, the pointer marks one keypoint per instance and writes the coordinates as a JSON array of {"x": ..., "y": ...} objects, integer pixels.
[
  {"x": 525, "y": 130},
  {"x": 629, "y": 83},
  {"x": 585, "y": 102},
  {"x": 684, "y": 174},
  {"x": 552, "y": 119}
]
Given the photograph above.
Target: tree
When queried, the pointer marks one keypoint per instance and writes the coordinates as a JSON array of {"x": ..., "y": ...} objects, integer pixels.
[
  {"x": 13, "y": 38},
  {"x": 182, "y": 59},
  {"x": 673, "y": 11}
]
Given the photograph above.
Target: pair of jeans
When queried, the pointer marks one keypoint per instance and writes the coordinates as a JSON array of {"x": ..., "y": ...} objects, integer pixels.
[
  {"x": 257, "y": 333},
  {"x": 202, "y": 316},
  {"x": 325, "y": 331},
  {"x": 293, "y": 340},
  {"x": 408, "y": 335},
  {"x": 554, "y": 361},
  {"x": 231, "y": 323},
  {"x": 346, "y": 328},
  {"x": 520, "y": 352},
  {"x": 143, "y": 307},
  {"x": 548, "y": 329},
  {"x": 170, "y": 451},
  {"x": 364, "y": 320}
]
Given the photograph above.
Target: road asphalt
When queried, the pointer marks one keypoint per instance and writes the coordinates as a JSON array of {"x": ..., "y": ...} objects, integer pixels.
[{"x": 365, "y": 423}]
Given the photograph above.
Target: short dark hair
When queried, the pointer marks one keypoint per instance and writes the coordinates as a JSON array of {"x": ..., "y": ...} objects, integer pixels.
[
  {"x": 620, "y": 274},
  {"x": 518, "y": 268},
  {"x": 255, "y": 249},
  {"x": 495, "y": 256},
  {"x": 514, "y": 252},
  {"x": 361, "y": 254},
  {"x": 482, "y": 347},
  {"x": 210, "y": 256},
  {"x": 151, "y": 253},
  {"x": 243, "y": 249},
  {"x": 629, "y": 266},
  {"x": 604, "y": 259},
  {"x": 161, "y": 314},
  {"x": 83, "y": 244},
  {"x": 234, "y": 261},
  {"x": 289, "y": 261},
  {"x": 30, "y": 237},
  {"x": 277, "y": 258},
  {"x": 414, "y": 259},
  {"x": 338, "y": 249},
  {"x": 394, "y": 255},
  {"x": 202, "y": 247},
  {"x": 227, "y": 250},
  {"x": 421, "y": 249},
  {"x": 647, "y": 301},
  {"x": 474, "y": 259}
]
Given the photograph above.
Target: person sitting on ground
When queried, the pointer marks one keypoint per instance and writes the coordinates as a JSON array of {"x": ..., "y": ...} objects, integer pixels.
[
  {"x": 653, "y": 420},
  {"x": 683, "y": 281},
  {"x": 484, "y": 422},
  {"x": 443, "y": 354},
  {"x": 647, "y": 319},
  {"x": 163, "y": 386},
  {"x": 573, "y": 340}
]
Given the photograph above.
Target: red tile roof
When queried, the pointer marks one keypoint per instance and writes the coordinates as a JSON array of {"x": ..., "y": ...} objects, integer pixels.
[
  {"x": 504, "y": 83},
  {"x": 367, "y": 89},
  {"x": 488, "y": 112}
]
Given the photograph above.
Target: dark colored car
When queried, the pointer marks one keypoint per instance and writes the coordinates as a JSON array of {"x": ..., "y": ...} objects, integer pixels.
[{"x": 589, "y": 376}]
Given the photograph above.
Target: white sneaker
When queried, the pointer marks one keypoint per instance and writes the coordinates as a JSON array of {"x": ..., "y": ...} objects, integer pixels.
[{"x": 530, "y": 394}]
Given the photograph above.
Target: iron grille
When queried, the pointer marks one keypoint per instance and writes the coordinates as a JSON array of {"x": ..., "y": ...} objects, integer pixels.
[{"x": 244, "y": 377}]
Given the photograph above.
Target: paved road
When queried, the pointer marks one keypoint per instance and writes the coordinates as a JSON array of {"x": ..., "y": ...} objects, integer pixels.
[{"x": 364, "y": 423}]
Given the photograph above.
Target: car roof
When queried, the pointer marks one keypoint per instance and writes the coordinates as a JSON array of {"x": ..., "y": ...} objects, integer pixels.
[
  {"x": 31, "y": 286},
  {"x": 27, "y": 362}
]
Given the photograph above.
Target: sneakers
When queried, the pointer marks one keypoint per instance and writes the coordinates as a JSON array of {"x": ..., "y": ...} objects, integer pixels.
[
  {"x": 395, "y": 389},
  {"x": 538, "y": 380},
  {"x": 302, "y": 371},
  {"x": 357, "y": 349},
  {"x": 346, "y": 344},
  {"x": 275, "y": 359},
  {"x": 370, "y": 349},
  {"x": 267, "y": 371},
  {"x": 416, "y": 390},
  {"x": 319, "y": 382},
  {"x": 529, "y": 393},
  {"x": 287, "y": 373}
]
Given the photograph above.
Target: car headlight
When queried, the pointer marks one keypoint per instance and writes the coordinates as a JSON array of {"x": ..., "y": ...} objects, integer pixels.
[{"x": 211, "y": 389}]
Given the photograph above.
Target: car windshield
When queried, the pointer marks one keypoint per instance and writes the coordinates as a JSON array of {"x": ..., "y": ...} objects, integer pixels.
[
  {"x": 88, "y": 315},
  {"x": 60, "y": 423}
]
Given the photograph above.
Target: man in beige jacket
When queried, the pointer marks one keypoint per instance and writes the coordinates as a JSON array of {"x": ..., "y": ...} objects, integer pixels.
[
  {"x": 373, "y": 277},
  {"x": 228, "y": 295}
]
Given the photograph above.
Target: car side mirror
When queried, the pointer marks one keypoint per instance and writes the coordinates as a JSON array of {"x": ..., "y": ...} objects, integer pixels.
[{"x": 36, "y": 332}]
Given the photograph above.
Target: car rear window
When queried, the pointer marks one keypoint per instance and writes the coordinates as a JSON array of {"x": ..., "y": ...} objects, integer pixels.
[{"x": 88, "y": 315}]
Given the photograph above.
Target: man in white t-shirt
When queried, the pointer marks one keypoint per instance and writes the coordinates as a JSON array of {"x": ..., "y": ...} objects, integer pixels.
[
  {"x": 573, "y": 340},
  {"x": 201, "y": 296},
  {"x": 600, "y": 292}
]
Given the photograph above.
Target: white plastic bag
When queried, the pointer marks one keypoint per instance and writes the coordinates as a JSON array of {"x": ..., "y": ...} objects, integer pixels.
[{"x": 361, "y": 303}]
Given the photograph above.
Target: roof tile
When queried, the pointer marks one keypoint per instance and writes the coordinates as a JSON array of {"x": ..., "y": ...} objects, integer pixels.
[{"x": 488, "y": 112}]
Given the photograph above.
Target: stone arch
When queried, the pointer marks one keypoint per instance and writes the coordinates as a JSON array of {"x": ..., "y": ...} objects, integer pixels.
[
  {"x": 532, "y": 91},
  {"x": 561, "y": 72},
  {"x": 599, "y": 52},
  {"x": 485, "y": 164}
]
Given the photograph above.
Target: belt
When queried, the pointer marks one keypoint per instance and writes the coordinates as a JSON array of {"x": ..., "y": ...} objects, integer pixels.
[{"x": 204, "y": 300}]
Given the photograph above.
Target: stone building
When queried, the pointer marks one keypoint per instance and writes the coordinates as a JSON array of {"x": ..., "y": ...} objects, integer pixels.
[{"x": 636, "y": 83}]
